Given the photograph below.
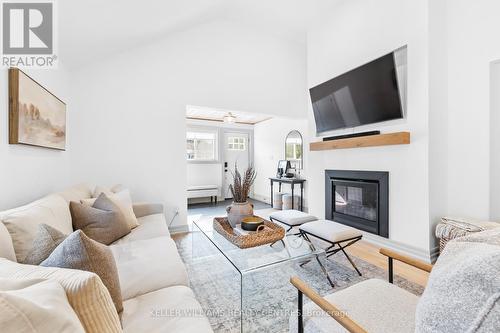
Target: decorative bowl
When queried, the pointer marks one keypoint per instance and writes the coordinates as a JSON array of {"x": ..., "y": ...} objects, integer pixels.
[{"x": 251, "y": 223}]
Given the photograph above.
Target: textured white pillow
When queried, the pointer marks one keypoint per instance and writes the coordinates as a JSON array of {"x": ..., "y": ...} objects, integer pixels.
[
  {"x": 85, "y": 291},
  {"x": 123, "y": 201},
  {"x": 29, "y": 305}
]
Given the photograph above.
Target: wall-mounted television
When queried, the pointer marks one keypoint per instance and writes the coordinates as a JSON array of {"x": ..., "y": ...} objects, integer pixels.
[{"x": 365, "y": 95}]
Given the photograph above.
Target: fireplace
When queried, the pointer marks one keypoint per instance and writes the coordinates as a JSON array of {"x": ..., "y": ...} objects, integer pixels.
[{"x": 359, "y": 199}]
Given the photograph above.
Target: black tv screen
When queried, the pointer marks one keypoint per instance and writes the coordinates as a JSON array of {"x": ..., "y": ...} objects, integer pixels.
[{"x": 365, "y": 95}]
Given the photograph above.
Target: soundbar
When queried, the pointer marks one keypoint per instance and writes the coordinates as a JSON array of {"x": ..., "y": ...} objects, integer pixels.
[{"x": 347, "y": 136}]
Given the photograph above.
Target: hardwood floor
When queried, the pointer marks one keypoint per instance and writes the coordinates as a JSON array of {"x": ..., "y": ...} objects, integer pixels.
[{"x": 369, "y": 253}]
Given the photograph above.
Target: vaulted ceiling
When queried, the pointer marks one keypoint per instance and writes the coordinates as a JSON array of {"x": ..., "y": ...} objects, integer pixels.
[{"x": 92, "y": 29}]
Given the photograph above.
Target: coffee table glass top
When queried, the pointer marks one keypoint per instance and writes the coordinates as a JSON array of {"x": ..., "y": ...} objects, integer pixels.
[{"x": 292, "y": 247}]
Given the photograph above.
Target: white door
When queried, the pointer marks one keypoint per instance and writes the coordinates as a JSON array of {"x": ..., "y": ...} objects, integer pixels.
[{"x": 236, "y": 151}]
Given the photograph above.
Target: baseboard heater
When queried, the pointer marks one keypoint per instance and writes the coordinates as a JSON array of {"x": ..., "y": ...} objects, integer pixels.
[{"x": 347, "y": 136}]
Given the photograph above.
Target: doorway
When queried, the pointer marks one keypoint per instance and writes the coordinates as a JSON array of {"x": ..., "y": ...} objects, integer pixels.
[{"x": 236, "y": 151}]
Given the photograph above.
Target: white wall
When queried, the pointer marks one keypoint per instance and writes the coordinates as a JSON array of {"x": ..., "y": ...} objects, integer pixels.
[
  {"x": 358, "y": 32},
  {"x": 269, "y": 139},
  {"x": 27, "y": 173},
  {"x": 438, "y": 116},
  {"x": 472, "y": 34},
  {"x": 495, "y": 142},
  {"x": 130, "y": 108}
]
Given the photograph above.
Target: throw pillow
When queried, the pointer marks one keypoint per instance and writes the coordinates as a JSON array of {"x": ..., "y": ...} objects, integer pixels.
[
  {"x": 124, "y": 202},
  {"x": 78, "y": 251},
  {"x": 108, "y": 190},
  {"x": 22, "y": 222},
  {"x": 40, "y": 304},
  {"x": 46, "y": 240},
  {"x": 101, "y": 189},
  {"x": 117, "y": 188},
  {"x": 86, "y": 293},
  {"x": 463, "y": 291},
  {"x": 103, "y": 223}
]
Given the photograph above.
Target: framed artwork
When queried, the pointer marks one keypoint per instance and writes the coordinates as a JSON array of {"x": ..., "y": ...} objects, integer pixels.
[{"x": 36, "y": 116}]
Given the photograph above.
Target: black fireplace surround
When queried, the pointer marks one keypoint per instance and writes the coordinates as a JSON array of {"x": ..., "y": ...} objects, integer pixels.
[{"x": 359, "y": 199}]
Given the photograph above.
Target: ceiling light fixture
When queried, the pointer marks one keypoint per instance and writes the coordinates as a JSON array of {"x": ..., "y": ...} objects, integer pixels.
[{"x": 229, "y": 118}]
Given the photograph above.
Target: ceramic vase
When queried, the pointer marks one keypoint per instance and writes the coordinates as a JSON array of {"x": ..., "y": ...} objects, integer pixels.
[{"x": 238, "y": 211}]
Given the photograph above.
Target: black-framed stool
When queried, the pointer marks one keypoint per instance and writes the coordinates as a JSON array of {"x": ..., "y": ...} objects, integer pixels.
[{"x": 339, "y": 236}]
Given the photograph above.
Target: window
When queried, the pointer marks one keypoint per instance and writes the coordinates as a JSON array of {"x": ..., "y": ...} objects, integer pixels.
[
  {"x": 236, "y": 143},
  {"x": 201, "y": 146}
]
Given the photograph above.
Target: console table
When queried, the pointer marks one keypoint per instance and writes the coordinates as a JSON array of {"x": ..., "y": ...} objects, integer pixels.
[{"x": 292, "y": 182}]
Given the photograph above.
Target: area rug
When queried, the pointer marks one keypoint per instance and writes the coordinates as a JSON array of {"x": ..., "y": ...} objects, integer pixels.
[{"x": 269, "y": 300}]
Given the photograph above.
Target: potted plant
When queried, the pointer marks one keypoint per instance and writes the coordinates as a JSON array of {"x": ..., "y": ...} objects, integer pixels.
[{"x": 240, "y": 208}]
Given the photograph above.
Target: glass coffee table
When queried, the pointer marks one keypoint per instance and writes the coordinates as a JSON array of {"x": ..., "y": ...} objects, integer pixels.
[{"x": 262, "y": 270}]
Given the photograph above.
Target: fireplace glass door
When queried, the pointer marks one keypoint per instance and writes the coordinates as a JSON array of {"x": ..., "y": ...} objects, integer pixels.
[{"x": 356, "y": 199}]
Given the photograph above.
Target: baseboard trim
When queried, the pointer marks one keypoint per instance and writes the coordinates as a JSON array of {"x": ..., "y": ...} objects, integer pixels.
[
  {"x": 177, "y": 229},
  {"x": 399, "y": 247}
]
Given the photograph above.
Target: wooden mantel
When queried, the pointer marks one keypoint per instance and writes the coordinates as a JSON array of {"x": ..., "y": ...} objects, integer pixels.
[{"x": 397, "y": 138}]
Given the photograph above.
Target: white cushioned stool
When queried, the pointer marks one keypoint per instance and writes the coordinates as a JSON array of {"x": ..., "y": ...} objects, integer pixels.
[
  {"x": 291, "y": 218},
  {"x": 339, "y": 236}
]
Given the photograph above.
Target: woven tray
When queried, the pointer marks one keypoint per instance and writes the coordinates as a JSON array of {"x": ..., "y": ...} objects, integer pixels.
[{"x": 270, "y": 234}]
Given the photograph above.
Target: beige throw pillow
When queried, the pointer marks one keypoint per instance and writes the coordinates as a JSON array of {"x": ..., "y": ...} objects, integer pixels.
[
  {"x": 104, "y": 222},
  {"x": 117, "y": 188},
  {"x": 30, "y": 305},
  {"x": 101, "y": 189},
  {"x": 124, "y": 202},
  {"x": 108, "y": 190},
  {"x": 85, "y": 291},
  {"x": 23, "y": 222},
  {"x": 46, "y": 240},
  {"x": 78, "y": 251}
]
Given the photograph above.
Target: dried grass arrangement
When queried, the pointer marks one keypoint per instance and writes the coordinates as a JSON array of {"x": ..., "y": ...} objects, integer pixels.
[{"x": 241, "y": 186}]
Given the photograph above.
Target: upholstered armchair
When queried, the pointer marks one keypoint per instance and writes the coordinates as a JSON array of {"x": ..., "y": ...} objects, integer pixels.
[{"x": 462, "y": 295}]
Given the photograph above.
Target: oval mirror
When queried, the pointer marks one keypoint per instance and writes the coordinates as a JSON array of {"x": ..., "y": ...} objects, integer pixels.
[{"x": 294, "y": 149}]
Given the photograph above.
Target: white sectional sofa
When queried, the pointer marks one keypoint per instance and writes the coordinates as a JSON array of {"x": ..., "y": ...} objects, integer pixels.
[{"x": 154, "y": 282}]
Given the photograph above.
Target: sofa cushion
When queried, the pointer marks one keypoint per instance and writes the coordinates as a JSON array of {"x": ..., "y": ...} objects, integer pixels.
[
  {"x": 36, "y": 303},
  {"x": 86, "y": 293},
  {"x": 150, "y": 226},
  {"x": 463, "y": 291},
  {"x": 78, "y": 251},
  {"x": 148, "y": 265},
  {"x": 22, "y": 222},
  {"x": 173, "y": 309},
  {"x": 371, "y": 303},
  {"x": 104, "y": 222},
  {"x": 46, "y": 240},
  {"x": 6, "y": 246}
]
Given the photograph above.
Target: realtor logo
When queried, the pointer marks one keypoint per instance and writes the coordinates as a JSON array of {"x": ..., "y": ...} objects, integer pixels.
[{"x": 28, "y": 29}]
